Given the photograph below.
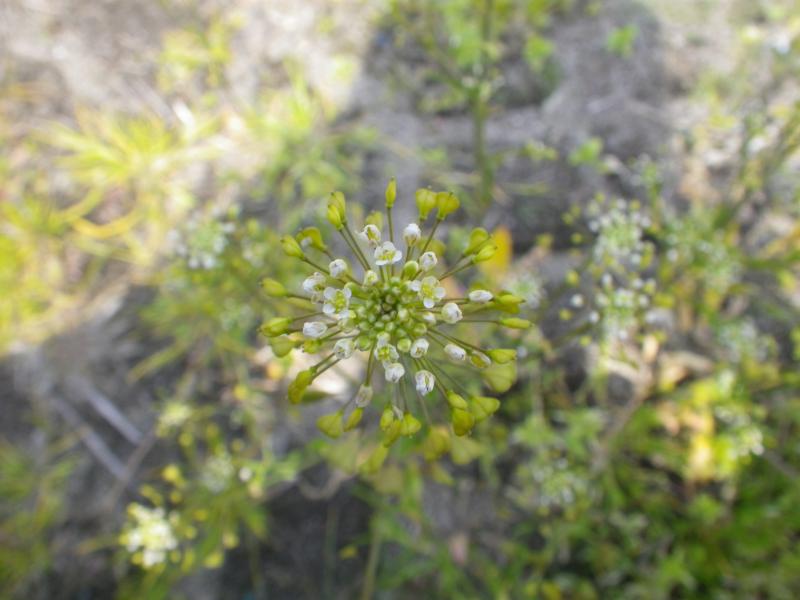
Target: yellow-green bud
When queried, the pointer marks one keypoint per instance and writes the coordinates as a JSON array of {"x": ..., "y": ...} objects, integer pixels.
[
  {"x": 311, "y": 346},
  {"x": 391, "y": 192},
  {"x": 276, "y": 326},
  {"x": 375, "y": 460},
  {"x": 410, "y": 425},
  {"x": 480, "y": 360},
  {"x": 335, "y": 216},
  {"x": 410, "y": 269},
  {"x": 436, "y": 443},
  {"x": 331, "y": 425},
  {"x": 482, "y": 407},
  {"x": 282, "y": 345},
  {"x": 337, "y": 199},
  {"x": 462, "y": 421},
  {"x": 456, "y": 402},
  {"x": 477, "y": 238},
  {"x": 311, "y": 236},
  {"x": 392, "y": 432},
  {"x": 387, "y": 418},
  {"x": 514, "y": 323},
  {"x": 354, "y": 419},
  {"x": 485, "y": 253},
  {"x": 508, "y": 303},
  {"x": 404, "y": 345},
  {"x": 426, "y": 201},
  {"x": 446, "y": 203},
  {"x": 298, "y": 387},
  {"x": 273, "y": 288},
  {"x": 502, "y": 355},
  {"x": 291, "y": 247}
]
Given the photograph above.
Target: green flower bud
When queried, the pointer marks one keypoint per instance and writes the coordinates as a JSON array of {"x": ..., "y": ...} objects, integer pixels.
[
  {"x": 375, "y": 460},
  {"x": 331, "y": 425},
  {"x": 391, "y": 192},
  {"x": 514, "y": 323},
  {"x": 502, "y": 355},
  {"x": 282, "y": 345},
  {"x": 462, "y": 421},
  {"x": 479, "y": 360},
  {"x": 410, "y": 269},
  {"x": 298, "y": 387},
  {"x": 276, "y": 326},
  {"x": 456, "y": 402},
  {"x": 436, "y": 443},
  {"x": 311, "y": 236},
  {"x": 273, "y": 288},
  {"x": 291, "y": 247},
  {"x": 335, "y": 216},
  {"x": 392, "y": 433},
  {"x": 508, "y": 303},
  {"x": 404, "y": 345},
  {"x": 312, "y": 346},
  {"x": 363, "y": 343},
  {"x": 426, "y": 201},
  {"x": 483, "y": 407},
  {"x": 419, "y": 330},
  {"x": 485, "y": 253},
  {"x": 354, "y": 419},
  {"x": 477, "y": 238},
  {"x": 446, "y": 203},
  {"x": 387, "y": 418},
  {"x": 410, "y": 425}
]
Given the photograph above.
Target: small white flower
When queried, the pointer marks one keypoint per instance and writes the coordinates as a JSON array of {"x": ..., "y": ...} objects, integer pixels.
[
  {"x": 457, "y": 353},
  {"x": 343, "y": 349},
  {"x": 425, "y": 382},
  {"x": 419, "y": 348},
  {"x": 427, "y": 261},
  {"x": 314, "y": 285},
  {"x": 576, "y": 301},
  {"x": 451, "y": 313},
  {"x": 371, "y": 234},
  {"x": 384, "y": 351},
  {"x": 336, "y": 301},
  {"x": 429, "y": 318},
  {"x": 387, "y": 254},
  {"x": 429, "y": 290},
  {"x": 363, "y": 396},
  {"x": 480, "y": 296},
  {"x": 370, "y": 278},
  {"x": 411, "y": 234},
  {"x": 338, "y": 268},
  {"x": 393, "y": 372},
  {"x": 314, "y": 329}
]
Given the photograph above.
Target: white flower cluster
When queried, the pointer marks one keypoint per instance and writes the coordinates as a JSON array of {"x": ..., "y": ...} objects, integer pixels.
[
  {"x": 201, "y": 243},
  {"x": 620, "y": 309},
  {"x": 620, "y": 228},
  {"x": 150, "y": 535}
]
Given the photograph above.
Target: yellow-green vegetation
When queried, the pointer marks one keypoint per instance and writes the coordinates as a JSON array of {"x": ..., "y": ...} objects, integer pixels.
[{"x": 219, "y": 372}]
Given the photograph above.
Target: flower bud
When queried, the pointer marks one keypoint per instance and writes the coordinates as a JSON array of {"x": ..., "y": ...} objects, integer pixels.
[
  {"x": 282, "y": 345},
  {"x": 456, "y": 402},
  {"x": 273, "y": 288},
  {"x": 354, "y": 419},
  {"x": 387, "y": 418},
  {"x": 514, "y": 323},
  {"x": 412, "y": 234},
  {"x": 502, "y": 355},
  {"x": 404, "y": 345},
  {"x": 483, "y": 407},
  {"x": 479, "y": 359},
  {"x": 446, "y": 203},
  {"x": 410, "y": 269},
  {"x": 291, "y": 247},
  {"x": 276, "y": 326},
  {"x": 480, "y": 296},
  {"x": 462, "y": 421},
  {"x": 485, "y": 253},
  {"x": 363, "y": 396},
  {"x": 409, "y": 425},
  {"x": 477, "y": 238},
  {"x": 426, "y": 200},
  {"x": 436, "y": 443},
  {"x": 298, "y": 387},
  {"x": 331, "y": 425},
  {"x": 391, "y": 192},
  {"x": 311, "y": 236}
]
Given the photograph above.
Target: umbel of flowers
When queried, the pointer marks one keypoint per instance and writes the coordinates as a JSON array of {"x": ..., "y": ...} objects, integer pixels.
[{"x": 387, "y": 303}]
